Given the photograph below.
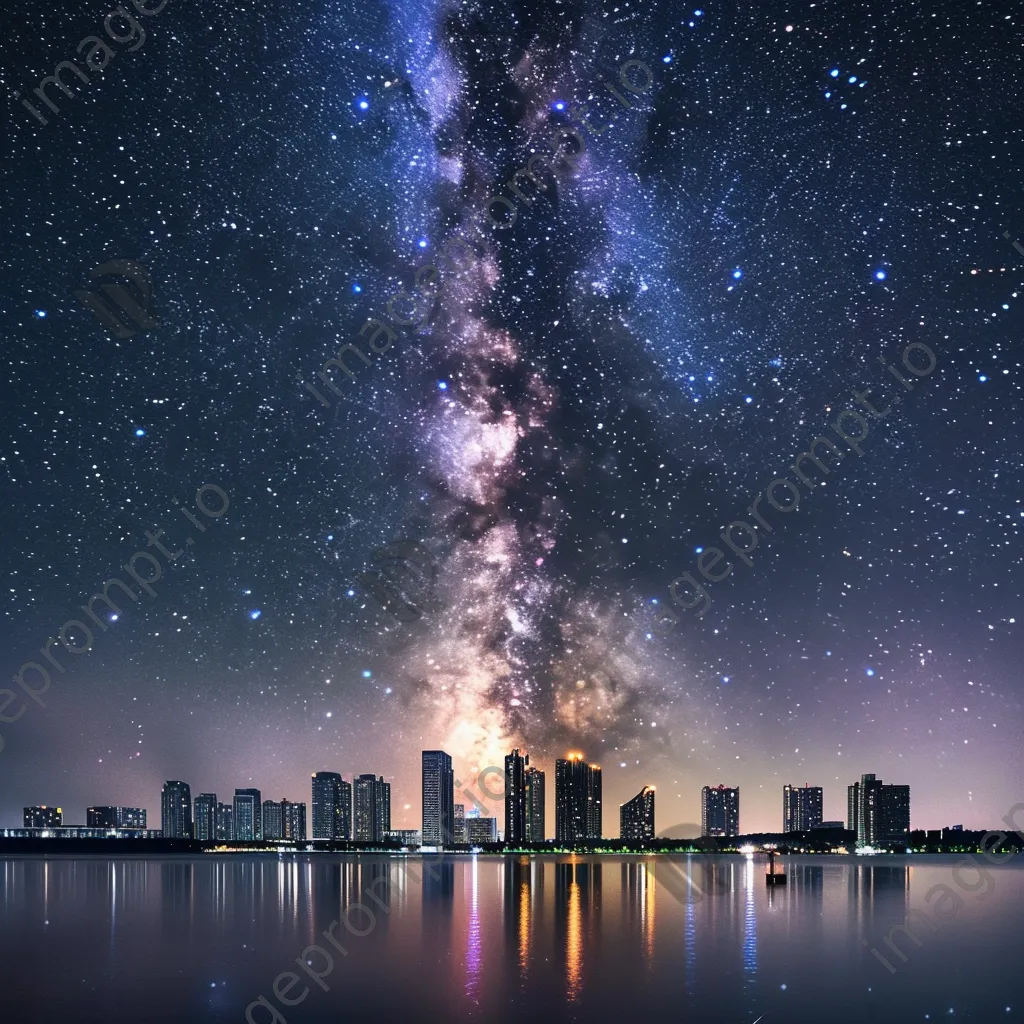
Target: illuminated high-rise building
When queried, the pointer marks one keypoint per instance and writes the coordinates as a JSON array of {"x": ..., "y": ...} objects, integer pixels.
[
  {"x": 636, "y": 816},
  {"x": 720, "y": 811},
  {"x": 205, "y": 817},
  {"x": 438, "y": 799},
  {"x": 224, "y": 822},
  {"x": 248, "y": 816},
  {"x": 515, "y": 796},
  {"x": 577, "y": 800},
  {"x": 115, "y": 817},
  {"x": 878, "y": 813},
  {"x": 533, "y": 780},
  {"x": 372, "y": 800},
  {"x": 273, "y": 821},
  {"x": 176, "y": 810},
  {"x": 801, "y": 808},
  {"x": 332, "y": 806}
]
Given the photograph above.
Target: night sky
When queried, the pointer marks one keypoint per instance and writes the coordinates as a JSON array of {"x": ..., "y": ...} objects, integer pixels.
[{"x": 802, "y": 189}]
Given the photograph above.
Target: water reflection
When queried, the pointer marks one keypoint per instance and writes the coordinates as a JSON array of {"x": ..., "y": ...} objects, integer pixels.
[{"x": 462, "y": 938}]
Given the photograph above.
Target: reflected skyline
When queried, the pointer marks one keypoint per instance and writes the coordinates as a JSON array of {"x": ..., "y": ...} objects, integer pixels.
[{"x": 558, "y": 936}]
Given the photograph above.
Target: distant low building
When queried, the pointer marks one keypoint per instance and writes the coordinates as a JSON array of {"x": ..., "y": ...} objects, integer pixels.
[
  {"x": 405, "y": 836},
  {"x": 80, "y": 832},
  {"x": 481, "y": 830},
  {"x": 115, "y": 817},
  {"x": 831, "y": 824},
  {"x": 43, "y": 817}
]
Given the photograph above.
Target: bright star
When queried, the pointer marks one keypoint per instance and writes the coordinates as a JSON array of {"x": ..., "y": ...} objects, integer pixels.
[
  {"x": 139, "y": 432},
  {"x": 834, "y": 72},
  {"x": 880, "y": 275},
  {"x": 255, "y": 614}
]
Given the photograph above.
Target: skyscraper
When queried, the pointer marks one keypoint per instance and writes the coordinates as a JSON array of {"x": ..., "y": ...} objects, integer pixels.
[
  {"x": 533, "y": 779},
  {"x": 459, "y": 832},
  {"x": 719, "y": 811},
  {"x": 636, "y": 816},
  {"x": 801, "y": 808},
  {"x": 248, "y": 815},
  {"x": 225, "y": 828},
  {"x": 332, "y": 806},
  {"x": 206, "y": 816},
  {"x": 878, "y": 813},
  {"x": 293, "y": 820},
  {"x": 176, "y": 810},
  {"x": 383, "y": 801},
  {"x": 577, "y": 799},
  {"x": 373, "y": 808},
  {"x": 43, "y": 817},
  {"x": 515, "y": 796},
  {"x": 438, "y": 799},
  {"x": 273, "y": 820}
]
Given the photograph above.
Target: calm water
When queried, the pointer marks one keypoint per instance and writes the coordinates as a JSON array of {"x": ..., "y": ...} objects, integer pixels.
[{"x": 553, "y": 939}]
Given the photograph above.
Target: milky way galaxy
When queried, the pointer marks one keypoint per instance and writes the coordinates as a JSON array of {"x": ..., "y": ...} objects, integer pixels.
[{"x": 713, "y": 221}]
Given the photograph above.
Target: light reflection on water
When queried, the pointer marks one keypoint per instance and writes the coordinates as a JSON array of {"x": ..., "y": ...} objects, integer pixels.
[{"x": 481, "y": 938}]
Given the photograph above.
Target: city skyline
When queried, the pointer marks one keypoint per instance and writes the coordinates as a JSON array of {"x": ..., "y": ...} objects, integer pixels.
[{"x": 362, "y": 808}]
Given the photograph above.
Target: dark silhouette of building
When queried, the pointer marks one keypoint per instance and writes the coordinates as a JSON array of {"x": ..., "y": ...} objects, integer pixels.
[
  {"x": 533, "y": 780},
  {"x": 373, "y": 808},
  {"x": 332, "y": 806},
  {"x": 438, "y": 799},
  {"x": 248, "y": 815},
  {"x": 577, "y": 800},
  {"x": 636, "y": 816},
  {"x": 801, "y": 808},
  {"x": 879, "y": 814},
  {"x": 515, "y": 796},
  {"x": 43, "y": 817},
  {"x": 115, "y": 817},
  {"x": 206, "y": 816},
  {"x": 176, "y": 810},
  {"x": 719, "y": 811}
]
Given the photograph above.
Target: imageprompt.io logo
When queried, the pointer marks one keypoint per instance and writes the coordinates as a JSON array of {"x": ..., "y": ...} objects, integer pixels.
[
  {"x": 403, "y": 585},
  {"x": 124, "y": 310}
]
